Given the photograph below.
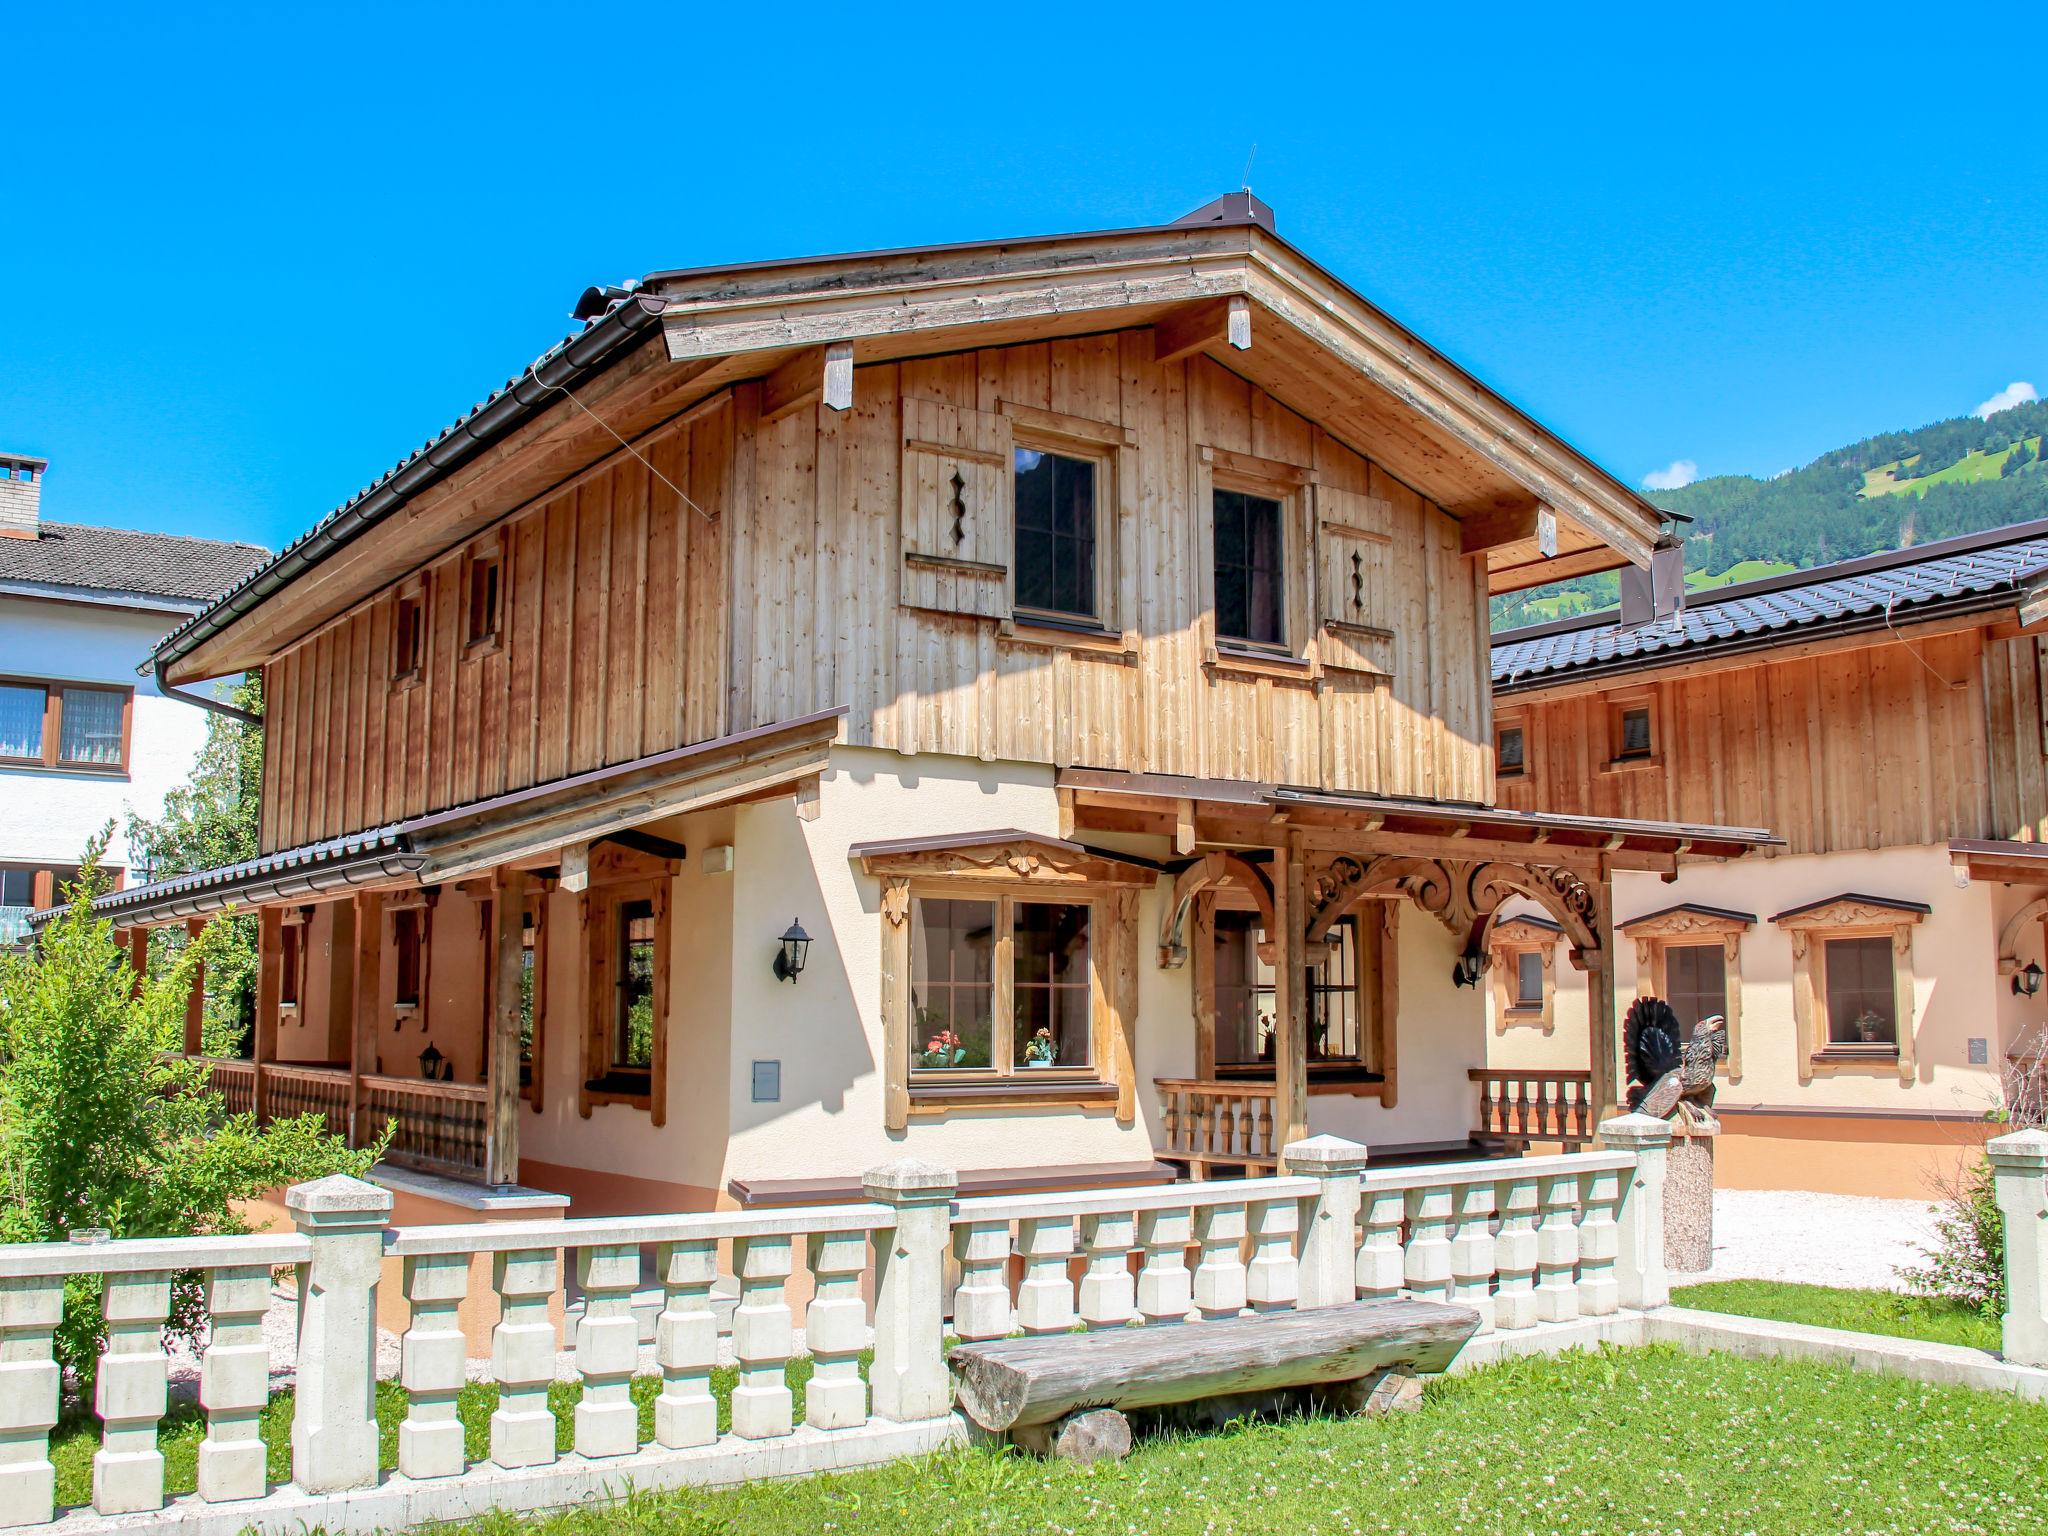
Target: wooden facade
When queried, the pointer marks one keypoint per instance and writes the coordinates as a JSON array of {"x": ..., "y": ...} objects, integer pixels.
[
  {"x": 1881, "y": 744},
  {"x": 794, "y": 582}
]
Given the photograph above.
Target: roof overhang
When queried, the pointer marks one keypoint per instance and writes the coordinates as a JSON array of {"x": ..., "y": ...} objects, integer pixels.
[
  {"x": 1227, "y": 287},
  {"x": 523, "y": 828},
  {"x": 1003, "y": 851},
  {"x": 1228, "y": 813},
  {"x": 2000, "y": 860}
]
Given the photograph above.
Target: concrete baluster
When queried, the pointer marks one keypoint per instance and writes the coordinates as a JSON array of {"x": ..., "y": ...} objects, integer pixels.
[
  {"x": 133, "y": 1390},
  {"x": 334, "y": 1418},
  {"x": 1045, "y": 1299},
  {"x": 1382, "y": 1269},
  {"x": 1220, "y": 1276},
  {"x": 607, "y": 1348},
  {"x": 1272, "y": 1281},
  {"x": 835, "y": 1329},
  {"x": 432, "y": 1365},
  {"x": 30, "y": 1383},
  {"x": 981, "y": 1301},
  {"x": 1514, "y": 1254},
  {"x": 1109, "y": 1291},
  {"x": 523, "y": 1357},
  {"x": 1165, "y": 1288},
  {"x": 1429, "y": 1242},
  {"x": 234, "y": 1385},
  {"x": 686, "y": 1346},
  {"x": 762, "y": 1339},
  {"x": 1599, "y": 1243},
  {"x": 1472, "y": 1250},
  {"x": 1557, "y": 1249}
]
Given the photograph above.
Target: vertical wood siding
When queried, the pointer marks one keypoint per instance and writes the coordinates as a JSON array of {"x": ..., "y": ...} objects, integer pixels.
[{"x": 631, "y": 624}]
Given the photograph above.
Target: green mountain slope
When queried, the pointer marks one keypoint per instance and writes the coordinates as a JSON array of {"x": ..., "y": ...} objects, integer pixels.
[{"x": 1885, "y": 492}]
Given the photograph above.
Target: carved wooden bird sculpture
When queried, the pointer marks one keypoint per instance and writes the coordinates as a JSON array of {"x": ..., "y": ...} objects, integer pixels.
[{"x": 1672, "y": 1074}]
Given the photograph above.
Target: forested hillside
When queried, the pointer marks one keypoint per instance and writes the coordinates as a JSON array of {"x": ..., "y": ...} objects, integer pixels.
[{"x": 1886, "y": 492}]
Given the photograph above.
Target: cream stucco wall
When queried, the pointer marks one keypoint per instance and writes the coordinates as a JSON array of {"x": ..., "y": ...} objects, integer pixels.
[
  {"x": 825, "y": 1030},
  {"x": 1958, "y": 992}
]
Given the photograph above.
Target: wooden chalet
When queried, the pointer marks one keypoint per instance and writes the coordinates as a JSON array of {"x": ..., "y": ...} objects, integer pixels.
[
  {"x": 1886, "y": 716},
  {"x": 1023, "y": 703}
]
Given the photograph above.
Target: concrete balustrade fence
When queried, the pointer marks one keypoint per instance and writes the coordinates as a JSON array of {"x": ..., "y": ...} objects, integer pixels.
[{"x": 1526, "y": 1242}]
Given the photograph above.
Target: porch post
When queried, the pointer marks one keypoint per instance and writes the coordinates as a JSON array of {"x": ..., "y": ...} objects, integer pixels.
[
  {"x": 508, "y": 910},
  {"x": 369, "y": 991},
  {"x": 138, "y": 956},
  {"x": 1290, "y": 1004},
  {"x": 1602, "y": 1040},
  {"x": 269, "y": 976},
  {"x": 195, "y": 1000}
]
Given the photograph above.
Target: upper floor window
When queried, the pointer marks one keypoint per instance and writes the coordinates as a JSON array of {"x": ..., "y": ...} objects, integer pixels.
[
  {"x": 1056, "y": 496},
  {"x": 1249, "y": 557},
  {"x": 65, "y": 725},
  {"x": 406, "y": 942},
  {"x": 1510, "y": 752},
  {"x": 481, "y": 624},
  {"x": 1632, "y": 729},
  {"x": 408, "y": 639},
  {"x": 1529, "y": 978}
]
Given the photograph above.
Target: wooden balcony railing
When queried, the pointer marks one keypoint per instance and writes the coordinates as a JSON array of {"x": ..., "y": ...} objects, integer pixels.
[
  {"x": 1209, "y": 1122},
  {"x": 290, "y": 1089},
  {"x": 442, "y": 1127},
  {"x": 234, "y": 1081},
  {"x": 1521, "y": 1107}
]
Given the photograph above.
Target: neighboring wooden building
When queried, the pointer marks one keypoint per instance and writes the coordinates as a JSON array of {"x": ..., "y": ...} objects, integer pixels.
[
  {"x": 1080, "y": 639},
  {"x": 1885, "y": 716}
]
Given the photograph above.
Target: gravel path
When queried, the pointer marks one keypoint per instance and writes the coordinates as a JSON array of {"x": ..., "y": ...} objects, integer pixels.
[{"x": 1851, "y": 1240}]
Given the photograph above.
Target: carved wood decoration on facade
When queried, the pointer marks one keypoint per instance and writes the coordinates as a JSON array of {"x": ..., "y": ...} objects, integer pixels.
[
  {"x": 1208, "y": 873},
  {"x": 1462, "y": 894},
  {"x": 1045, "y": 861},
  {"x": 1691, "y": 925}
]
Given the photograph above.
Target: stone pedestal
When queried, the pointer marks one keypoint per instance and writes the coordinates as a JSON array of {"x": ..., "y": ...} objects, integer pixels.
[{"x": 1689, "y": 1197}]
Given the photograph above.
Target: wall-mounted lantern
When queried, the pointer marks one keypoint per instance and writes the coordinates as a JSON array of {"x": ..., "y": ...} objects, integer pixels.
[
  {"x": 2026, "y": 981},
  {"x": 430, "y": 1063},
  {"x": 1470, "y": 967},
  {"x": 796, "y": 948}
]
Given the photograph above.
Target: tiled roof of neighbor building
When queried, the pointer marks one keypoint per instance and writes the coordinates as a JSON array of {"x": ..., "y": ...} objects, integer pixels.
[
  {"x": 1975, "y": 570},
  {"x": 127, "y": 560}
]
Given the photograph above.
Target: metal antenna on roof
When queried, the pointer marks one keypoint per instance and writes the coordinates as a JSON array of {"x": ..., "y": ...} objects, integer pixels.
[
  {"x": 1246, "y": 184},
  {"x": 683, "y": 495}
]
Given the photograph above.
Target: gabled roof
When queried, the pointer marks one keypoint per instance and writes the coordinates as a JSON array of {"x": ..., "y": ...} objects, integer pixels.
[
  {"x": 1314, "y": 344},
  {"x": 1975, "y": 571},
  {"x": 86, "y": 559}
]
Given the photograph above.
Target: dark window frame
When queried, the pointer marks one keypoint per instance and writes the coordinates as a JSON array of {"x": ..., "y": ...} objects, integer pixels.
[
  {"x": 408, "y": 948},
  {"x": 1245, "y": 494},
  {"x": 408, "y": 638},
  {"x": 1243, "y": 927},
  {"x": 1834, "y": 950},
  {"x": 1091, "y": 586},
  {"x": 483, "y": 602}
]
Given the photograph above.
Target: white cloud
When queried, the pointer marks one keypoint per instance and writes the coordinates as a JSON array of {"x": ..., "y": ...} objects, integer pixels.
[
  {"x": 1678, "y": 472},
  {"x": 2018, "y": 392}
]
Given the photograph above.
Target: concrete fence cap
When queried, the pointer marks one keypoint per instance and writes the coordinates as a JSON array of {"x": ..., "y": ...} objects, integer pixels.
[
  {"x": 1324, "y": 1154},
  {"x": 909, "y": 1176},
  {"x": 2020, "y": 1150},
  {"x": 1636, "y": 1131},
  {"x": 338, "y": 1194}
]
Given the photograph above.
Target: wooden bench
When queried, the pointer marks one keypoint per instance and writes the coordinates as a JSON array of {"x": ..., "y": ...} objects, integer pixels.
[{"x": 1067, "y": 1392}]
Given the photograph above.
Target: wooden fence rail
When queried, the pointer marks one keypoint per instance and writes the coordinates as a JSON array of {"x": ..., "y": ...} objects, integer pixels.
[{"x": 1521, "y": 1107}]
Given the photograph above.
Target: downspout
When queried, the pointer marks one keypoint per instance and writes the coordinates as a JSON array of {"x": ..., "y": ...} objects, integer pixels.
[{"x": 163, "y": 686}]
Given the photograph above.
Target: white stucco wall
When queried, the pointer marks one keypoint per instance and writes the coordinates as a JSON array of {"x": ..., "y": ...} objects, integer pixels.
[
  {"x": 1958, "y": 992},
  {"x": 46, "y": 816}
]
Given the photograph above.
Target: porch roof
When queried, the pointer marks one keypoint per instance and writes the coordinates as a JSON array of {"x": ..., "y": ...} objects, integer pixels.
[
  {"x": 470, "y": 839},
  {"x": 2001, "y": 859},
  {"x": 1235, "y": 811}
]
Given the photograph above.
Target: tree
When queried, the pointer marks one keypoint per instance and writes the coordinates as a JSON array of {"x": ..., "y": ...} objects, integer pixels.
[
  {"x": 210, "y": 821},
  {"x": 103, "y": 1125}
]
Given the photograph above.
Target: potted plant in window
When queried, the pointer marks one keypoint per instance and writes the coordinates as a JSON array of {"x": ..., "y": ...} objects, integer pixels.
[
  {"x": 1869, "y": 1027},
  {"x": 1041, "y": 1050},
  {"x": 942, "y": 1049}
]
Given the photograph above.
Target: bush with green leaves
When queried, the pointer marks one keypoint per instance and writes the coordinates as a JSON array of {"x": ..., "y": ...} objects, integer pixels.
[
  {"x": 1966, "y": 1262},
  {"x": 104, "y": 1125}
]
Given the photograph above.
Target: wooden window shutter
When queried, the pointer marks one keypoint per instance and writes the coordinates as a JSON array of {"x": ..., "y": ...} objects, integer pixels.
[
  {"x": 1353, "y": 580},
  {"x": 957, "y": 515}
]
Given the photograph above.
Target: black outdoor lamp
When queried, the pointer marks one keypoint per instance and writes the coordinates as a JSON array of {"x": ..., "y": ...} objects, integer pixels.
[
  {"x": 796, "y": 946},
  {"x": 2027, "y": 981},
  {"x": 430, "y": 1063}
]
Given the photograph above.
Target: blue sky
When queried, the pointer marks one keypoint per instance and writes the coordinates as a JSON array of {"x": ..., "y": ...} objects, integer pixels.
[{"x": 252, "y": 259}]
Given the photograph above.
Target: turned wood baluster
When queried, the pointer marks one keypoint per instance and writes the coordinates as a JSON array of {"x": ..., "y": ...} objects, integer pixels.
[{"x": 1171, "y": 1114}]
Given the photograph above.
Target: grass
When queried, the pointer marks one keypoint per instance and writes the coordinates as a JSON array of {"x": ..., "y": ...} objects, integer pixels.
[
  {"x": 1826, "y": 1306},
  {"x": 1648, "y": 1440},
  {"x": 1741, "y": 570},
  {"x": 1972, "y": 466}
]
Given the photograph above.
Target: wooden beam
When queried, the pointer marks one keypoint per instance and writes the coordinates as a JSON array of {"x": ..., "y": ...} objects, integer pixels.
[
  {"x": 269, "y": 978},
  {"x": 137, "y": 943},
  {"x": 1489, "y": 530},
  {"x": 814, "y": 376},
  {"x": 1184, "y": 827},
  {"x": 647, "y": 843},
  {"x": 1290, "y": 1004},
  {"x": 369, "y": 963},
  {"x": 1215, "y": 322},
  {"x": 195, "y": 1000},
  {"x": 1604, "y": 1037},
  {"x": 508, "y": 910}
]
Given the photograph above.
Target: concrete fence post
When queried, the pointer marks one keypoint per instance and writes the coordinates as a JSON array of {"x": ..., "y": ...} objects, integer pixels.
[
  {"x": 1329, "y": 1230},
  {"x": 1640, "y": 1274},
  {"x": 2019, "y": 1175},
  {"x": 909, "y": 1379},
  {"x": 334, "y": 1425}
]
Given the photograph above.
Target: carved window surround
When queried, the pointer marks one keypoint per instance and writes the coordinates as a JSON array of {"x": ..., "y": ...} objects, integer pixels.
[
  {"x": 619, "y": 874},
  {"x": 1509, "y": 941},
  {"x": 995, "y": 864},
  {"x": 1850, "y": 916},
  {"x": 1687, "y": 923}
]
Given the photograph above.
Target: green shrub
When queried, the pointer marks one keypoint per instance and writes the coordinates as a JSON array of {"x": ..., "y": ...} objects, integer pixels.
[
  {"x": 1966, "y": 1264},
  {"x": 103, "y": 1125}
]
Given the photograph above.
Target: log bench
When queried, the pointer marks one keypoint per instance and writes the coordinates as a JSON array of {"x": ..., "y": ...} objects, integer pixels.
[{"x": 1066, "y": 1393}]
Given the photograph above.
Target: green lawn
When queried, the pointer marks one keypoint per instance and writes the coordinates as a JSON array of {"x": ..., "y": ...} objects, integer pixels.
[
  {"x": 1824, "y": 1306},
  {"x": 1648, "y": 1440},
  {"x": 1972, "y": 466}
]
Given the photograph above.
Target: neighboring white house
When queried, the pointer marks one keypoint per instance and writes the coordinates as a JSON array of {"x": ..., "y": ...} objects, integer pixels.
[{"x": 83, "y": 738}]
